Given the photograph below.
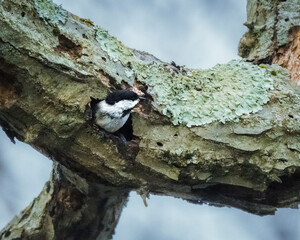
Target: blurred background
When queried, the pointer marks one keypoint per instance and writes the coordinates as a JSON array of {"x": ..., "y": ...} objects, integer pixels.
[{"x": 195, "y": 33}]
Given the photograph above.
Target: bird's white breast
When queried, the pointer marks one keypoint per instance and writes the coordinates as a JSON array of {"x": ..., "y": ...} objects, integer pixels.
[
  {"x": 110, "y": 117},
  {"x": 111, "y": 124}
]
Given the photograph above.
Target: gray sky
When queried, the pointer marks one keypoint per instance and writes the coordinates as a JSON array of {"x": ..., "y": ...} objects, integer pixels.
[{"x": 195, "y": 33}]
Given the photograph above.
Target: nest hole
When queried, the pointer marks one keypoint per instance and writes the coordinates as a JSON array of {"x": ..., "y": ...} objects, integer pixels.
[{"x": 126, "y": 131}]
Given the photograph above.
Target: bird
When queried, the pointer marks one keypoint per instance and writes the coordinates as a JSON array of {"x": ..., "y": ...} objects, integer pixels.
[{"x": 113, "y": 112}]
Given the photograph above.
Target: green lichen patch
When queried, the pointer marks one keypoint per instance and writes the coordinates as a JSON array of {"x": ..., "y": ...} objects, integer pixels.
[
  {"x": 288, "y": 17},
  {"x": 262, "y": 65},
  {"x": 222, "y": 93},
  {"x": 273, "y": 72},
  {"x": 56, "y": 30},
  {"x": 50, "y": 12},
  {"x": 114, "y": 48},
  {"x": 270, "y": 24},
  {"x": 88, "y": 22}
]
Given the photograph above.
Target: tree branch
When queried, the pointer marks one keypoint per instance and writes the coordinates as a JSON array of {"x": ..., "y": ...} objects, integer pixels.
[
  {"x": 274, "y": 34},
  {"x": 224, "y": 135},
  {"x": 69, "y": 207}
]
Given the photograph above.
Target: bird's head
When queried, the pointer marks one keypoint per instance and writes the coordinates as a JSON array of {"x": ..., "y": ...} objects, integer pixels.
[{"x": 125, "y": 99}]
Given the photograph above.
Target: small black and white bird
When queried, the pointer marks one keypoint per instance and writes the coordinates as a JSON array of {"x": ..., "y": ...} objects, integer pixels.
[{"x": 112, "y": 113}]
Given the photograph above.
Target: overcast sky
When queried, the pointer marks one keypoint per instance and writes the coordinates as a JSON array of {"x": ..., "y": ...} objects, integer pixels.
[{"x": 195, "y": 33}]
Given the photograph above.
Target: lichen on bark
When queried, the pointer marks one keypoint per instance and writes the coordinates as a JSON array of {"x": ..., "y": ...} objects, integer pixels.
[
  {"x": 269, "y": 25},
  {"x": 211, "y": 135}
]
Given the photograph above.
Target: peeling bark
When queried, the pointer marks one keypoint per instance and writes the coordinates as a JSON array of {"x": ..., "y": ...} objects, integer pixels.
[
  {"x": 288, "y": 56},
  {"x": 227, "y": 135}
]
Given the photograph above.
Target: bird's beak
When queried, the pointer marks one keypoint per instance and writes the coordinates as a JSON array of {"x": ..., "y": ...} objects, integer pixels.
[{"x": 142, "y": 97}]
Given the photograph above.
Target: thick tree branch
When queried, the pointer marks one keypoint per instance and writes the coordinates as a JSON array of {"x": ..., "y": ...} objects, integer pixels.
[
  {"x": 274, "y": 34},
  {"x": 69, "y": 207},
  {"x": 227, "y": 135}
]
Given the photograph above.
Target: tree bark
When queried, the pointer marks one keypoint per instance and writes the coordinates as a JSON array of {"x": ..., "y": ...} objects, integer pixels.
[
  {"x": 69, "y": 208},
  {"x": 274, "y": 34},
  {"x": 228, "y": 135}
]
